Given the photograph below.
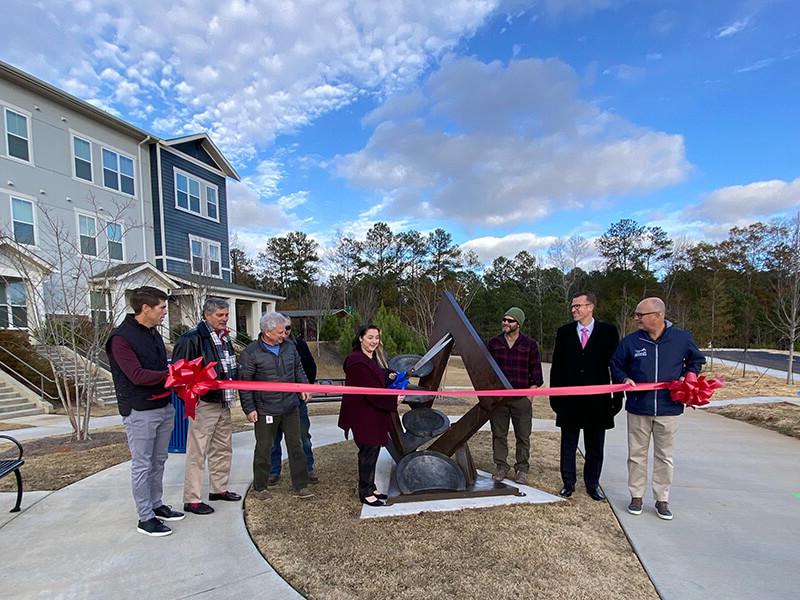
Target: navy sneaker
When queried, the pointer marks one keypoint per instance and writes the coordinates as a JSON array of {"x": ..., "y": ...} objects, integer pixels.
[
  {"x": 662, "y": 508},
  {"x": 153, "y": 527},
  {"x": 165, "y": 513}
]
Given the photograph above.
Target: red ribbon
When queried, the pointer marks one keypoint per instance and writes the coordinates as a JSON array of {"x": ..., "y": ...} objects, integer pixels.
[
  {"x": 693, "y": 390},
  {"x": 190, "y": 380}
]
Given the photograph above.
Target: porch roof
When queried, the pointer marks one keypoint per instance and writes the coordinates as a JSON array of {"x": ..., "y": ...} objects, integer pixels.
[
  {"x": 119, "y": 273},
  {"x": 222, "y": 287}
]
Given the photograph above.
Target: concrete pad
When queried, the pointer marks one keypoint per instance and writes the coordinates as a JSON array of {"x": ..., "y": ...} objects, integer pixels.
[
  {"x": 383, "y": 473},
  {"x": 9, "y": 499},
  {"x": 736, "y": 522}
]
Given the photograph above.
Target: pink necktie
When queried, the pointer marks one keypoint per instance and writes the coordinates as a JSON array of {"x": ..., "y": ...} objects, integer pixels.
[{"x": 584, "y": 336}]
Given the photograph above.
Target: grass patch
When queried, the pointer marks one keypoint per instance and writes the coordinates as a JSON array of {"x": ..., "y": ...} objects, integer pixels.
[
  {"x": 749, "y": 384},
  {"x": 782, "y": 417},
  {"x": 538, "y": 551},
  {"x": 12, "y": 426},
  {"x": 54, "y": 462}
]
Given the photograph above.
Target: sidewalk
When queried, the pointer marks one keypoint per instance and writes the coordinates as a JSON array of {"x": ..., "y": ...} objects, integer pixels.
[{"x": 734, "y": 536}]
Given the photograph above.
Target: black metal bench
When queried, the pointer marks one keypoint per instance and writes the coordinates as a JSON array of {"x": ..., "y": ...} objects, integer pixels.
[{"x": 9, "y": 465}]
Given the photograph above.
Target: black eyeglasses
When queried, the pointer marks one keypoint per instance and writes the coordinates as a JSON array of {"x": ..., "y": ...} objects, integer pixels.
[
  {"x": 507, "y": 320},
  {"x": 638, "y": 315},
  {"x": 574, "y": 306}
]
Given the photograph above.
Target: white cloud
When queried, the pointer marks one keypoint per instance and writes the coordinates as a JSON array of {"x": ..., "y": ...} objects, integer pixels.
[
  {"x": 738, "y": 204},
  {"x": 732, "y": 28},
  {"x": 498, "y": 144},
  {"x": 488, "y": 248},
  {"x": 625, "y": 72},
  {"x": 265, "y": 178}
]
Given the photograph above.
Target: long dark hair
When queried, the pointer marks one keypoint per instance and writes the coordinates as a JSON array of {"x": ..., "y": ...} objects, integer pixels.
[{"x": 362, "y": 330}]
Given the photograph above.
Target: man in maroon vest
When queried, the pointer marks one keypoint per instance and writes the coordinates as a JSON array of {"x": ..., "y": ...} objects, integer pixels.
[{"x": 139, "y": 367}]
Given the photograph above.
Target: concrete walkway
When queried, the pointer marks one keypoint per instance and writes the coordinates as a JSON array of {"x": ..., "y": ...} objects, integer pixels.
[{"x": 734, "y": 534}]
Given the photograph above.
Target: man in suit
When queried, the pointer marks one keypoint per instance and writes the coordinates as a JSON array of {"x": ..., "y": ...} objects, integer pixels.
[{"x": 581, "y": 356}]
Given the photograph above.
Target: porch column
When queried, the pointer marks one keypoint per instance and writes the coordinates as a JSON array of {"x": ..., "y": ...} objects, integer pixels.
[{"x": 255, "y": 312}]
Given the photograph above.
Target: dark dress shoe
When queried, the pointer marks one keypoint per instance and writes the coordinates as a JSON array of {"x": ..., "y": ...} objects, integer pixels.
[
  {"x": 226, "y": 495},
  {"x": 566, "y": 491},
  {"x": 198, "y": 508},
  {"x": 595, "y": 493}
]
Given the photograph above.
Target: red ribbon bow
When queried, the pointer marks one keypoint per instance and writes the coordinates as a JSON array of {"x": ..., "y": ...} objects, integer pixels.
[
  {"x": 693, "y": 390},
  {"x": 190, "y": 380}
]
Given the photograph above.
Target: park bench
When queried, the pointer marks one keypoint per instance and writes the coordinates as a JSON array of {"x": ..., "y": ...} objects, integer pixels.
[{"x": 9, "y": 465}]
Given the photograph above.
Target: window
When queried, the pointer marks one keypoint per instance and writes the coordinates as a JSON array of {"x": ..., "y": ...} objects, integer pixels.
[
  {"x": 114, "y": 236},
  {"x": 87, "y": 232},
  {"x": 101, "y": 306},
  {"x": 22, "y": 218},
  {"x": 17, "y": 138},
  {"x": 117, "y": 172},
  {"x": 206, "y": 257},
  {"x": 83, "y": 158},
  {"x": 212, "y": 205},
  {"x": 13, "y": 304},
  {"x": 187, "y": 196}
]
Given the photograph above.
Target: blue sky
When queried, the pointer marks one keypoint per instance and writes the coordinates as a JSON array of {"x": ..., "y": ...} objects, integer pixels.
[{"x": 508, "y": 123}]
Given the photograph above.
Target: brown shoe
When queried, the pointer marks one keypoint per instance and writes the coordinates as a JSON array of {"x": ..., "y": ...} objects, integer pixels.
[
  {"x": 635, "y": 507},
  {"x": 312, "y": 476},
  {"x": 500, "y": 474},
  {"x": 303, "y": 493},
  {"x": 522, "y": 477},
  {"x": 262, "y": 494}
]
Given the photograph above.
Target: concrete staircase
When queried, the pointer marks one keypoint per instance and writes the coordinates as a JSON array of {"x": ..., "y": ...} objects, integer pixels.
[
  {"x": 13, "y": 404},
  {"x": 104, "y": 386}
]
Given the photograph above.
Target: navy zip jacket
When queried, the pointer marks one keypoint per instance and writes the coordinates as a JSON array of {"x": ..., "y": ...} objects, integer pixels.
[{"x": 644, "y": 360}]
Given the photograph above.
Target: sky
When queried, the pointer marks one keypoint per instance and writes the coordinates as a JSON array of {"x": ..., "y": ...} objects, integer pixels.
[{"x": 508, "y": 123}]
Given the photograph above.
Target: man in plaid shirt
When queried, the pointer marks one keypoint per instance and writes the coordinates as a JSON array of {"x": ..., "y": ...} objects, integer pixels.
[
  {"x": 209, "y": 438},
  {"x": 518, "y": 357}
]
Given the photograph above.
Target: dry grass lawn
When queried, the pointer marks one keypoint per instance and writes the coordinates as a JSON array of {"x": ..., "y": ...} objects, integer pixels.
[
  {"x": 782, "y": 417},
  {"x": 572, "y": 549},
  {"x": 749, "y": 384},
  {"x": 12, "y": 426},
  {"x": 55, "y": 462}
]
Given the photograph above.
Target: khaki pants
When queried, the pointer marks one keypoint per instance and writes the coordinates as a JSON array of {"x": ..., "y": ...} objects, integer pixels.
[
  {"x": 209, "y": 438},
  {"x": 662, "y": 430}
]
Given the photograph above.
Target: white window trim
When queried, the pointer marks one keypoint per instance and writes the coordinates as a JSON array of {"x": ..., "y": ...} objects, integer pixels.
[
  {"x": 32, "y": 200},
  {"x": 72, "y": 136},
  {"x": 121, "y": 224},
  {"x": 98, "y": 184},
  {"x": 203, "y": 183},
  {"x": 205, "y": 243},
  {"x": 10, "y": 315},
  {"x": 97, "y": 247},
  {"x": 10, "y": 107},
  {"x": 119, "y": 172}
]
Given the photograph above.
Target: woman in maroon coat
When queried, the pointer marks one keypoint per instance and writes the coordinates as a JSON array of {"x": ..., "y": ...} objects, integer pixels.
[{"x": 368, "y": 416}]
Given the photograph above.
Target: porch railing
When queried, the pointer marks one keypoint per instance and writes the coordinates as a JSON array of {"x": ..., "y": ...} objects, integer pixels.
[{"x": 39, "y": 389}]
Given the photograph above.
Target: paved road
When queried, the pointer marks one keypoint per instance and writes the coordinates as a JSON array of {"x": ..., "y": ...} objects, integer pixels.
[{"x": 760, "y": 358}]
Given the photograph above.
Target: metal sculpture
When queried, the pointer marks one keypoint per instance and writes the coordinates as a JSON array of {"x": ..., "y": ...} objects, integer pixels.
[{"x": 436, "y": 473}]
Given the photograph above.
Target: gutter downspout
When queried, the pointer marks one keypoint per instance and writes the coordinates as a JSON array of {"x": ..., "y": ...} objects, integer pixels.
[
  {"x": 161, "y": 209},
  {"x": 144, "y": 230}
]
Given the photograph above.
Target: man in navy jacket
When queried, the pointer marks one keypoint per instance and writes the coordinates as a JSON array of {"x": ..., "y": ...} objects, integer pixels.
[{"x": 657, "y": 352}]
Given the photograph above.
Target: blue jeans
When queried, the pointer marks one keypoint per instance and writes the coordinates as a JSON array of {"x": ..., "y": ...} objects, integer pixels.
[{"x": 305, "y": 433}]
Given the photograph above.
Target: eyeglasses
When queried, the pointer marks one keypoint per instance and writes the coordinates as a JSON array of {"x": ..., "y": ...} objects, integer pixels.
[
  {"x": 507, "y": 320},
  {"x": 576, "y": 306},
  {"x": 639, "y": 315}
]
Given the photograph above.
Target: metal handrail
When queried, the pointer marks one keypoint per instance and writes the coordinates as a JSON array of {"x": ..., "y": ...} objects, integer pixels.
[
  {"x": 24, "y": 380},
  {"x": 83, "y": 353},
  {"x": 31, "y": 367}
]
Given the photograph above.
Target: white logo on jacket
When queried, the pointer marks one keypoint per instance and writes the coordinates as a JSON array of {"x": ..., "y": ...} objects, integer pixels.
[{"x": 640, "y": 353}]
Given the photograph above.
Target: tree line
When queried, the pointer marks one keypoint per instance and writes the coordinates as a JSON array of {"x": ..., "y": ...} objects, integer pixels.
[{"x": 743, "y": 291}]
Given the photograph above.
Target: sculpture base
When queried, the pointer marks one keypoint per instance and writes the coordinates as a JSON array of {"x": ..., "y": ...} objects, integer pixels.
[{"x": 483, "y": 487}]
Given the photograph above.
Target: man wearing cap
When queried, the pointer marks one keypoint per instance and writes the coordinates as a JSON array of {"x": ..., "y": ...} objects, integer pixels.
[{"x": 518, "y": 357}]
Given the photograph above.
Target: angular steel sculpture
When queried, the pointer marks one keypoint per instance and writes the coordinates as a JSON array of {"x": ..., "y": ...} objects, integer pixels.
[{"x": 423, "y": 477}]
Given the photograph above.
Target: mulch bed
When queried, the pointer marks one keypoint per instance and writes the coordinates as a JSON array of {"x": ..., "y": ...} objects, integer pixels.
[{"x": 572, "y": 549}]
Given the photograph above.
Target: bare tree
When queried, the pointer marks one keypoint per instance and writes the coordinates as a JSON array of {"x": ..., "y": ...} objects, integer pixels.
[
  {"x": 318, "y": 298},
  {"x": 785, "y": 261},
  {"x": 70, "y": 310},
  {"x": 567, "y": 256}
]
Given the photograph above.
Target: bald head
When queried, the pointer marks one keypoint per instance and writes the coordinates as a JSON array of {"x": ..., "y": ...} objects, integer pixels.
[{"x": 649, "y": 316}]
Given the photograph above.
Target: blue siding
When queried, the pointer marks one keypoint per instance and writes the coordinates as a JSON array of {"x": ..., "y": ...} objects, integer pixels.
[
  {"x": 179, "y": 224},
  {"x": 195, "y": 150}
]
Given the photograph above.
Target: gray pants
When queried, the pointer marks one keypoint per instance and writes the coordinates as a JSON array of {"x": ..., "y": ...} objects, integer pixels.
[{"x": 148, "y": 434}]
